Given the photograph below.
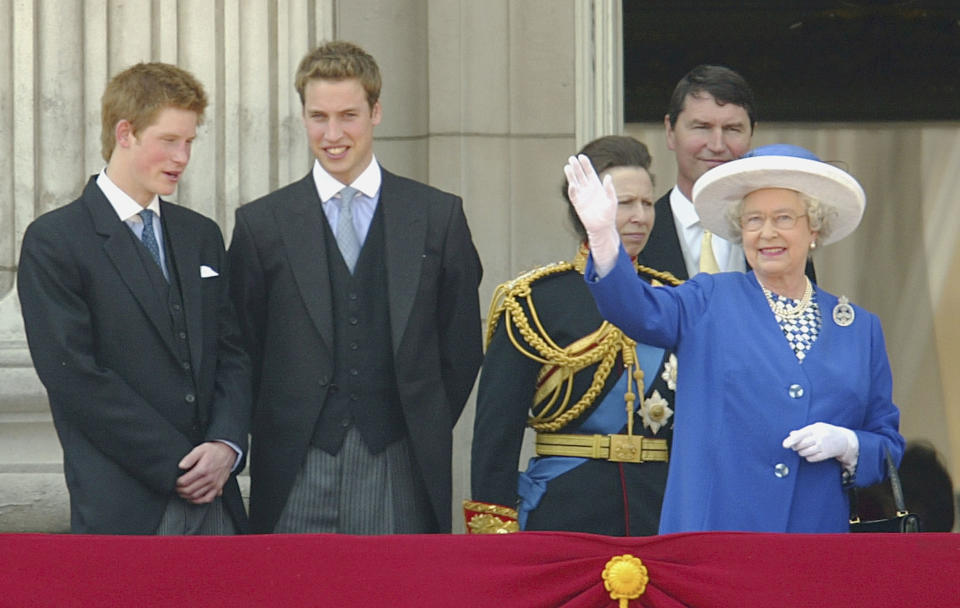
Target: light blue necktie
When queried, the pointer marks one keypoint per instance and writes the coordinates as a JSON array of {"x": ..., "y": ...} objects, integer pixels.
[
  {"x": 149, "y": 238},
  {"x": 347, "y": 238}
]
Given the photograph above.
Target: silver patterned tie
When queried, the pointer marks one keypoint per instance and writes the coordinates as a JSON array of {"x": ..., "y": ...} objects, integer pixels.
[
  {"x": 347, "y": 238},
  {"x": 149, "y": 238}
]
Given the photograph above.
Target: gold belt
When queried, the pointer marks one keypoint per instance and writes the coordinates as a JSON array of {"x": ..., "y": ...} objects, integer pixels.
[{"x": 615, "y": 448}]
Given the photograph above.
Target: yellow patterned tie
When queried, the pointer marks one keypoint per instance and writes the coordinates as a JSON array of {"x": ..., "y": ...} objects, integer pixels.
[{"x": 708, "y": 261}]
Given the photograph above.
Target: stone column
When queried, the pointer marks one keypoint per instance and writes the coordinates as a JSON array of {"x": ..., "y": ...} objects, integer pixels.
[{"x": 245, "y": 54}]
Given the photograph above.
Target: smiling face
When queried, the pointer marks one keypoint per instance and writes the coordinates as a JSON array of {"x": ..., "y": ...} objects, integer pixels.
[
  {"x": 635, "y": 211},
  {"x": 707, "y": 134},
  {"x": 339, "y": 123},
  {"x": 151, "y": 162},
  {"x": 778, "y": 255}
]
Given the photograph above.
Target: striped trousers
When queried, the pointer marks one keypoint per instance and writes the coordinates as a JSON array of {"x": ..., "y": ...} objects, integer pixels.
[
  {"x": 356, "y": 492},
  {"x": 185, "y": 518}
]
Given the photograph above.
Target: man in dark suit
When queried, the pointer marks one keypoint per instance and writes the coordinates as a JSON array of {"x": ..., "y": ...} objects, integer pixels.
[
  {"x": 132, "y": 331},
  {"x": 709, "y": 121},
  {"x": 357, "y": 293}
]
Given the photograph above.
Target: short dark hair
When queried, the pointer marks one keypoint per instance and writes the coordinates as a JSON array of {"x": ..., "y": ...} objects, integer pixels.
[
  {"x": 606, "y": 153},
  {"x": 722, "y": 83}
]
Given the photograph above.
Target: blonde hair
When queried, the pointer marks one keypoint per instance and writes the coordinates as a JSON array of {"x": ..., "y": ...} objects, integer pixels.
[
  {"x": 140, "y": 92},
  {"x": 339, "y": 60}
]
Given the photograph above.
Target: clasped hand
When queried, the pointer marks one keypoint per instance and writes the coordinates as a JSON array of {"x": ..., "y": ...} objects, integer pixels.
[
  {"x": 596, "y": 206},
  {"x": 821, "y": 441},
  {"x": 207, "y": 467}
]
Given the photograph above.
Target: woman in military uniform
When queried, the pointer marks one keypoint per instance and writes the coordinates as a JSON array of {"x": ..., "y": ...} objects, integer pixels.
[{"x": 554, "y": 365}]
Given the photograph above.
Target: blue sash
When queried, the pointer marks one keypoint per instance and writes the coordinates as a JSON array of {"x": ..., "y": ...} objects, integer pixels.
[{"x": 606, "y": 419}]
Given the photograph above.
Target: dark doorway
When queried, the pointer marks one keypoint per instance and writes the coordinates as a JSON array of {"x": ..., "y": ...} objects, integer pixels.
[{"x": 809, "y": 60}]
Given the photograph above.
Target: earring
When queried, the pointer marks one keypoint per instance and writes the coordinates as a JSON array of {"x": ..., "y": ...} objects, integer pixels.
[{"x": 813, "y": 245}]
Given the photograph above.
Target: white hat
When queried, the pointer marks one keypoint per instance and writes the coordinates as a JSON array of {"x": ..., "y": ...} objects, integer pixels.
[{"x": 779, "y": 166}]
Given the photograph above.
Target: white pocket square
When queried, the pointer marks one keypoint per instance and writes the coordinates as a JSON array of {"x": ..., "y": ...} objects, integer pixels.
[{"x": 206, "y": 272}]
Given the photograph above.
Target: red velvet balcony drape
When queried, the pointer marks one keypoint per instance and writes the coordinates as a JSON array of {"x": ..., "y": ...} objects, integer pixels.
[{"x": 522, "y": 570}]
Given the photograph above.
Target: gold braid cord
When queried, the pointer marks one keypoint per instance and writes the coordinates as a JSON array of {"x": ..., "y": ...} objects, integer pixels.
[{"x": 551, "y": 409}]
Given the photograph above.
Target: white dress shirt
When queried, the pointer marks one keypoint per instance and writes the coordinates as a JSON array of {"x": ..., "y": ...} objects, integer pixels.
[
  {"x": 690, "y": 232},
  {"x": 129, "y": 212},
  {"x": 365, "y": 202}
]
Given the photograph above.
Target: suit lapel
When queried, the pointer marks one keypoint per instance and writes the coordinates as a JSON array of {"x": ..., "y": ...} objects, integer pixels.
[
  {"x": 184, "y": 256},
  {"x": 405, "y": 230},
  {"x": 663, "y": 251},
  {"x": 120, "y": 247},
  {"x": 301, "y": 227}
]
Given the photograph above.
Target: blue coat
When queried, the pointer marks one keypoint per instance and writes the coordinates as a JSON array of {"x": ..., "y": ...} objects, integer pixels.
[{"x": 741, "y": 390}]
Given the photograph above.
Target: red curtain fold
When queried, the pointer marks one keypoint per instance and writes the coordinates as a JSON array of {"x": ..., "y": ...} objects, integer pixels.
[{"x": 526, "y": 570}]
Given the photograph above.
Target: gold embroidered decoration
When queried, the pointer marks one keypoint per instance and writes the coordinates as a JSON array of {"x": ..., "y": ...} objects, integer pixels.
[
  {"x": 487, "y": 518},
  {"x": 488, "y": 524},
  {"x": 625, "y": 577},
  {"x": 486, "y": 507},
  {"x": 552, "y": 409},
  {"x": 615, "y": 448}
]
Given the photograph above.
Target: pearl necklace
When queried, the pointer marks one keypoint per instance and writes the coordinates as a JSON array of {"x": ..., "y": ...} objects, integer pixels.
[{"x": 786, "y": 311}]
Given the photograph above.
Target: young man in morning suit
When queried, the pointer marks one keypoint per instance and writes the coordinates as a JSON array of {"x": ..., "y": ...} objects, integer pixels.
[
  {"x": 132, "y": 331},
  {"x": 357, "y": 293},
  {"x": 710, "y": 121}
]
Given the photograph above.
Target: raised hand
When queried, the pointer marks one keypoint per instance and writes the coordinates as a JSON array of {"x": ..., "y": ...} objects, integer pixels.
[{"x": 596, "y": 206}]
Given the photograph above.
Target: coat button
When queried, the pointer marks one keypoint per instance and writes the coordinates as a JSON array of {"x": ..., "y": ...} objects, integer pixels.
[
  {"x": 345, "y": 423},
  {"x": 795, "y": 391},
  {"x": 190, "y": 398},
  {"x": 781, "y": 470},
  {"x": 323, "y": 380}
]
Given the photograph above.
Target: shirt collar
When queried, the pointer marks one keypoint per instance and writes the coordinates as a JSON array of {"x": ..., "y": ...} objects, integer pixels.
[
  {"x": 368, "y": 182},
  {"x": 121, "y": 202},
  {"x": 683, "y": 209}
]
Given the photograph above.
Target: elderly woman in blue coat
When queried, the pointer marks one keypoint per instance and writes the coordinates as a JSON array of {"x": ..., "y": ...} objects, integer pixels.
[{"x": 784, "y": 394}]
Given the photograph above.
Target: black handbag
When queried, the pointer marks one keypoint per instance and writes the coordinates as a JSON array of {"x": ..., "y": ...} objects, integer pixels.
[{"x": 904, "y": 520}]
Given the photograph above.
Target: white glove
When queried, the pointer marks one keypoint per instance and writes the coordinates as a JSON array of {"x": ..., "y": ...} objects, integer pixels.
[
  {"x": 820, "y": 441},
  {"x": 596, "y": 205}
]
